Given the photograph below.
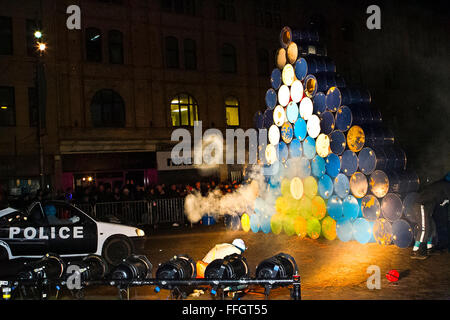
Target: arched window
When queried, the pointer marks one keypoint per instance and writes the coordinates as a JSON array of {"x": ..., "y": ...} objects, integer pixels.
[
  {"x": 108, "y": 109},
  {"x": 263, "y": 62},
  {"x": 190, "y": 54},
  {"x": 115, "y": 43},
  {"x": 172, "y": 56},
  {"x": 229, "y": 63},
  {"x": 232, "y": 111},
  {"x": 183, "y": 110},
  {"x": 93, "y": 45}
]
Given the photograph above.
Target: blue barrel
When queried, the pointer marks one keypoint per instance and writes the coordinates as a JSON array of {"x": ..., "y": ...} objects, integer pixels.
[
  {"x": 344, "y": 230},
  {"x": 335, "y": 208},
  {"x": 325, "y": 186},
  {"x": 265, "y": 223},
  {"x": 381, "y": 158},
  {"x": 287, "y": 35},
  {"x": 363, "y": 231},
  {"x": 268, "y": 118},
  {"x": 333, "y": 99},
  {"x": 370, "y": 207},
  {"x": 258, "y": 120},
  {"x": 326, "y": 122},
  {"x": 255, "y": 223},
  {"x": 332, "y": 165},
  {"x": 232, "y": 222},
  {"x": 403, "y": 182},
  {"x": 309, "y": 148},
  {"x": 319, "y": 106},
  {"x": 355, "y": 96},
  {"x": 338, "y": 142},
  {"x": 310, "y": 86},
  {"x": 271, "y": 98},
  {"x": 208, "y": 220},
  {"x": 375, "y": 135},
  {"x": 318, "y": 64},
  {"x": 382, "y": 232},
  {"x": 282, "y": 152},
  {"x": 287, "y": 132},
  {"x": 318, "y": 166},
  {"x": 300, "y": 130},
  {"x": 410, "y": 207},
  {"x": 344, "y": 118},
  {"x": 301, "y": 69},
  {"x": 363, "y": 114},
  {"x": 349, "y": 163},
  {"x": 304, "y": 168},
  {"x": 295, "y": 149},
  {"x": 326, "y": 80},
  {"x": 341, "y": 185},
  {"x": 392, "y": 207},
  {"x": 402, "y": 233},
  {"x": 292, "y": 112},
  {"x": 275, "y": 79},
  {"x": 350, "y": 207}
]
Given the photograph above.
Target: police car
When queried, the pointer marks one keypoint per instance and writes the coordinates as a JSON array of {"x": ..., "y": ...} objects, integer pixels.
[{"x": 61, "y": 228}]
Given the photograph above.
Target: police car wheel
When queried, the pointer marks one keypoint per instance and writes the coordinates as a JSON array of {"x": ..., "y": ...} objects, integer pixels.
[{"x": 116, "y": 249}]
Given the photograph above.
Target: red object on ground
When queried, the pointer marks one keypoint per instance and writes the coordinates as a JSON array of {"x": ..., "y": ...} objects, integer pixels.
[{"x": 393, "y": 275}]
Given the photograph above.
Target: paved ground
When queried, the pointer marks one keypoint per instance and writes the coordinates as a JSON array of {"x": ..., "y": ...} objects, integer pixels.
[{"x": 329, "y": 269}]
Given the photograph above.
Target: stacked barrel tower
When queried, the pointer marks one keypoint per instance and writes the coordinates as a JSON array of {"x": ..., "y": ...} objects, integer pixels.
[{"x": 337, "y": 172}]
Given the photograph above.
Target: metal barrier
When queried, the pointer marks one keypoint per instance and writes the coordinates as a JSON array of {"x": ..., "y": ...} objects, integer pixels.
[{"x": 143, "y": 212}]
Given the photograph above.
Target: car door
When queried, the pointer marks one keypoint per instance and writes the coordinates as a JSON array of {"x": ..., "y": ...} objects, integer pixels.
[
  {"x": 69, "y": 236},
  {"x": 26, "y": 236}
]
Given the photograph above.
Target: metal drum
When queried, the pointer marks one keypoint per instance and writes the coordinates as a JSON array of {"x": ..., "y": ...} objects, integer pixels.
[
  {"x": 344, "y": 118},
  {"x": 326, "y": 80},
  {"x": 310, "y": 187},
  {"x": 363, "y": 231},
  {"x": 341, "y": 186},
  {"x": 313, "y": 228},
  {"x": 268, "y": 118},
  {"x": 310, "y": 85},
  {"x": 287, "y": 35},
  {"x": 344, "y": 230},
  {"x": 377, "y": 158},
  {"x": 275, "y": 79},
  {"x": 271, "y": 154},
  {"x": 288, "y": 74},
  {"x": 255, "y": 223},
  {"x": 296, "y": 188},
  {"x": 319, "y": 106},
  {"x": 292, "y": 52},
  {"x": 287, "y": 132},
  {"x": 349, "y": 163},
  {"x": 392, "y": 207},
  {"x": 274, "y": 135},
  {"x": 382, "y": 232},
  {"x": 325, "y": 186},
  {"x": 271, "y": 98},
  {"x": 326, "y": 122},
  {"x": 358, "y": 185},
  {"x": 335, "y": 208},
  {"x": 318, "y": 64},
  {"x": 258, "y": 120},
  {"x": 409, "y": 204},
  {"x": 292, "y": 112},
  {"x": 282, "y": 152},
  {"x": 281, "y": 58},
  {"x": 300, "y": 129},
  {"x": 304, "y": 168},
  {"x": 375, "y": 135},
  {"x": 337, "y": 142},
  {"x": 355, "y": 96},
  {"x": 379, "y": 183},
  {"x": 402, "y": 233},
  {"x": 323, "y": 145},
  {"x": 313, "y": 126},
  {"x": 301, "y": 69},
  {"x": 333, "y": 99},
  {"x": 355, "y": 138},
  {"x": 350, "y": 208},
  {"x": 284, "y": 95},
  {"x": 297, "y": 91},
  {"x": 363, "y": 114},
  {"x": 309, "y": 148},
  {"x": 312, "y": 48},
  {"x": 318, "y": 166},
  {"x": 329, "y": 228},
  {"x": 279, "y": 116},
  {"x": 332, "y": 165},
  {"x": 295, "y": 149},
  {"x": 370, "y": 207},
  {"x": 306, "y": 108},
  {"x": 403, "y": 181},
  {"x": 265, "y": 223},
  {"x": 318, "y": 207}
]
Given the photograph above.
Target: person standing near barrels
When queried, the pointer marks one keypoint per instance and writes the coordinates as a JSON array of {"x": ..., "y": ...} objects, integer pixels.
[{"x": 437, "y": 193}]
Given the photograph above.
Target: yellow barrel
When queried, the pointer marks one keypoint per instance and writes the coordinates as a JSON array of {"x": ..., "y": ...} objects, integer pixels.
[
  {"x": 356, "y": 138},
  {"x": 296, "y": 188},
  {"x": 276, "y": 223},
  {"x": 245, "y": 222},
  {"x": 318, "y": 207},
  {"x": 300, "y": 227},
  {"x": 329, "y": 228},
  {"x": 310, "y": 187},
  {"x": 281, "y": 58},
  {"x": 292, "y": 52},
  {"x": 305, "y": 207},
  {"x": 288, "y": 225},
  {"x": 313, "y": 228},
  {"x": 323, "y": 145},
  {"x": 285, "y": 187}
]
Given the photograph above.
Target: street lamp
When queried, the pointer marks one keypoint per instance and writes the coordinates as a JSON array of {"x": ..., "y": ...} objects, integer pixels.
[{"x": 38, "y": 34}]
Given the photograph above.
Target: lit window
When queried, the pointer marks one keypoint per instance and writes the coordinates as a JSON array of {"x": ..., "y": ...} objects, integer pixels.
[
  {"x": 183, "y": 110},
  {"x": 232, "y": 111}
]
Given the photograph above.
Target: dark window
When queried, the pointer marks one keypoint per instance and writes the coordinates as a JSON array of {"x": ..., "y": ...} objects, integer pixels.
[
  {"x": 115, "y": 41},
  {"x": 267, "y": 13},
  {"x": 229, "y": 63},
  {"x": 226, "y": 10},
  {"x": 183, "y": 110},
  {"x": 32, "y": 107},
  {"x": 32, "y": 27},
  {"x": 263, "y": 62},
  {"x": 7, "y": 107},
  {"x": 172, "y": 55},
  {"x": 93, "y": 45},
  {"x": 6, "y": 36},
  {"x": 232, "y": 111},
  {"x": 190, "y": 54},
  {"x": 179, "y": 6},
  {"x": 108, "y": 109}
]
